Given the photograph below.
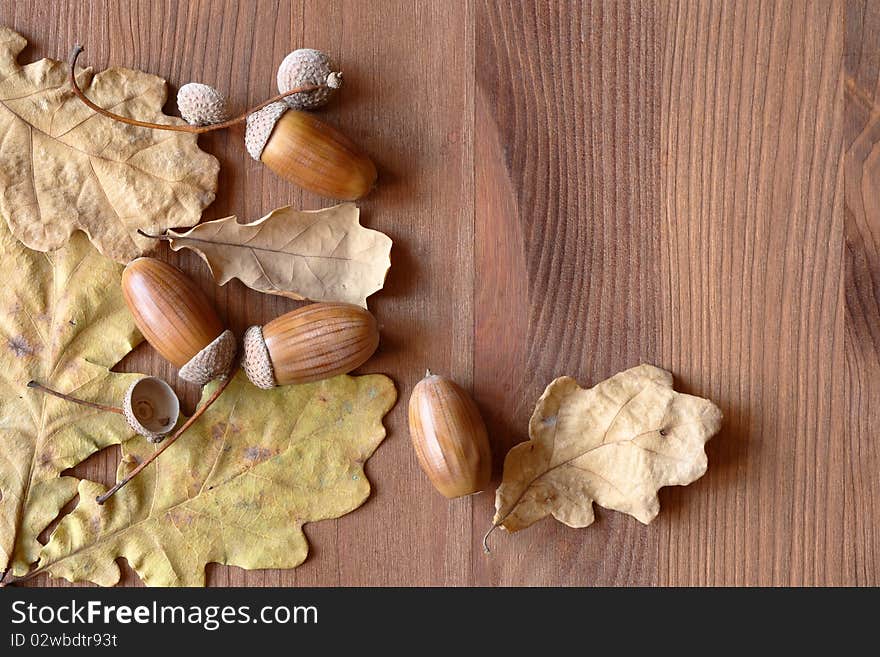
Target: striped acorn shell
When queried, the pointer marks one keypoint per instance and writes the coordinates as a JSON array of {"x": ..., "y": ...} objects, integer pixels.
[
  {"x": 176, "y": 318},
  {"x": 449, "y": 437},
  {"x": 311, "y": 343}
]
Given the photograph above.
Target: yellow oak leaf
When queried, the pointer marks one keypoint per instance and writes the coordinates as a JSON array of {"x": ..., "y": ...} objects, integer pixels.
[
  {"x": 616, "y": 444},
  {"x": 63, "y": 322},
  {"x": 64, "y": 168},
  {"x": 235, "y": 489},
  {"x": 322, "y": 255}
]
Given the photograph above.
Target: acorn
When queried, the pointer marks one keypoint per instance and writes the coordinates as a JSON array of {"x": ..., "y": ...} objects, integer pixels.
[
  {"x": 200, "y": 104},
  {"x": 151, "y": 408},
  {"x": 295, "y": 145},
  {"x": 177, "y": 319},
  {"x": 308, "y": 152},
  {"x": 449, "y": 437},
  {"x": 311, "y": 343},
  {"x": 305, "y": 67}
]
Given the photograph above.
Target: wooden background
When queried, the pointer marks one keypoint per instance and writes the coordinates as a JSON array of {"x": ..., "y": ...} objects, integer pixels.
[{"x": 575, "y": 188}]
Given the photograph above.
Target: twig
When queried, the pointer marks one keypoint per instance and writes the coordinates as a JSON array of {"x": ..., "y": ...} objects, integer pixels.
[
  {"x": 194, "y": 129},
  {"x": 36, "y": 385},
  {"x": 168, "y": 442}
]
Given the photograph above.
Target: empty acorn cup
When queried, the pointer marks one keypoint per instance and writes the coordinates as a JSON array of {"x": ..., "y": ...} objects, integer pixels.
[{"x": 149, "y": 406}]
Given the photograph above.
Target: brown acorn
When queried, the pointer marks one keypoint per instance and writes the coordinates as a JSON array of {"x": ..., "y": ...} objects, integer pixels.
[
  {"x": 176, "y": 318},
  {"x": 449, "y": 437},
  {"x": 308, "y": 152},
  {"x": 311, "y": 343}
]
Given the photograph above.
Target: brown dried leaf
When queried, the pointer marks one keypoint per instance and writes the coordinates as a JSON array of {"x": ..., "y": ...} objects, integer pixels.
[
  {"x": 65, "y": 168},
  {"x": 616, "y": 444},
  {"x": 322, "y": 255}
]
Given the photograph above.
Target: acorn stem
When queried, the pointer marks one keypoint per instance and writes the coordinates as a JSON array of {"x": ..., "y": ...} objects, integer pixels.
[
  {"x": 193, "y": 129},
  {"x": 36, "y": 385},
  {"x": 226, "y": 380}
]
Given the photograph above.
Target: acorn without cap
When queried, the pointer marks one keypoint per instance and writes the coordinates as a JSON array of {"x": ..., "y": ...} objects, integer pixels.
[
  {"x": 449, "y": 437},
  {"x": 176, "y": 318},
  {"x": 311, "y": 343},
  {"x": 308, "y": 152}
]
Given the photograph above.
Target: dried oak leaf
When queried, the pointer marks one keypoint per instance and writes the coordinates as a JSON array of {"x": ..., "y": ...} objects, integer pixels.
[
  {"x": 322, "y": 255},
  {"x": 235, "y": 489},
  {"x": 63, "y": 322},
  {"x": 65, "y": 168},
  {"x": 616, "y": 444}
]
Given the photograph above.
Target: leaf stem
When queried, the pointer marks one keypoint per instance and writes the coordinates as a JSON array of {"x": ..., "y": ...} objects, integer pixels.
[
  {"x": 486, "y": 538},
  {"x": 36, "y": 385},
  {"x": 194, "y": 129},
  {"x": 162, "y": 236},
  {"x": 226, "y": 380}
]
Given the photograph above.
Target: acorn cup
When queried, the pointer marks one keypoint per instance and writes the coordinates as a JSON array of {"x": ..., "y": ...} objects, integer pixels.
[{"x": 149, "y": 406}]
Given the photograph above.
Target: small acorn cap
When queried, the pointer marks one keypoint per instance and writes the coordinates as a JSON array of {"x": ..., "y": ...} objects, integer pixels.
[
  {"x": 260, "y": 125},
  {"x": 256, "y": 362},
  {"x": 201, "y": 104},
  {"x": 151, "y": 408},
  {"x": 303, "y": 67},
  {"x": 213, "y": 361}
]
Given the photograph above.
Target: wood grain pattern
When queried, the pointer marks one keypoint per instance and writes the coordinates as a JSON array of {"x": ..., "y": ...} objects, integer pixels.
[
  {"x": 574, "y": 188},
  {"x": 862, "y": 260}
]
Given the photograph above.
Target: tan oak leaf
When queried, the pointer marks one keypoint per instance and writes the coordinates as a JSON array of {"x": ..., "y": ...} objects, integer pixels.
[
  {"x": 235, "y": 489},
  {"x": 63, "y": 322},
  {"x": 321, "y": 255},
  {"x": 616, "y": 444},
  {"x": 65, "y": 168}
]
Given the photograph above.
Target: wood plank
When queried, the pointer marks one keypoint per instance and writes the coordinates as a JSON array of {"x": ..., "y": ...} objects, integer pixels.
[
  {"x": 862, "y": 258},
  {"x": 568, "y": 253},
  {"x": 752, "y": 314}
]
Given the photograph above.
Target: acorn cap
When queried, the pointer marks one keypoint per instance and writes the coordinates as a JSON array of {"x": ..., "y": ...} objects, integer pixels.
[
  {"x": 212, "y": 361},
  {"x": 201, "y": 104},
  {"x": 308, "y": 67},
  {"x": 259, "y": 127},
  {"x": 256, "y": 362},
  {"x": 151, "y": 408}
]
